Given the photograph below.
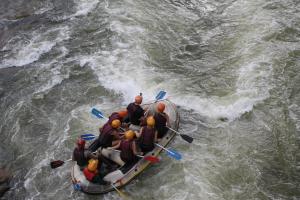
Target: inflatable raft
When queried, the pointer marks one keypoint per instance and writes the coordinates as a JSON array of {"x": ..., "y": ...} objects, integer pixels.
[{"x": 122, "y": 176}]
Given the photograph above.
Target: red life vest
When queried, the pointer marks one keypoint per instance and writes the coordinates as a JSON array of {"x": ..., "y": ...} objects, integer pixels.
[
  {"x": 88, "y": 175},
  {"x": 126, "y": 151}
]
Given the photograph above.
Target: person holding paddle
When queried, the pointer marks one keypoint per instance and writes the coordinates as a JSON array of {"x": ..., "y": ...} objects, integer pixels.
[
  {"x": 162, "y": 121},
  {"x": 93, "y": 172},
  {"x": 147, "y": 135},
  {"x": 108, "y": 133},
  {"x": 81, "y": 155},
  {"x": 128, "y": 149},
  {"x": 135, "y": 112}
]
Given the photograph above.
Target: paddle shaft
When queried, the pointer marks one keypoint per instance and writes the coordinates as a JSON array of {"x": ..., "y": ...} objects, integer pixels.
[
  {"x": 163, "y": 148},
  {"x": 173, "y": 130}
]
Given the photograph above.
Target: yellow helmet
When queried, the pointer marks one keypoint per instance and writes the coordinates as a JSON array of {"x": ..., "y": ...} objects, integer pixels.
[
  {"x": 93, "y": 164},
  {"x": 116, "y": 123},
  {"x": 129, "y": 135},
  {"x": 150, "y": 121}
]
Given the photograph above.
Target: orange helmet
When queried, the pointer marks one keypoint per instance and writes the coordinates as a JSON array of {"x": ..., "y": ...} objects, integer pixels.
[
  {"x": 123, "y": 113},
  {"x": 129, "y": 135},
  {"x": 93, "y": 164},
  {"x": 150, "y": 121},
  {"x": 160, "y": 107},
  {"x": 138, "y": 99},
  {"x": 116, "y": 123}
]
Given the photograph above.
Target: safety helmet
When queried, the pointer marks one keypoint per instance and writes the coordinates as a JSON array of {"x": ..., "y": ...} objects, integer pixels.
[
  {"x": 160, "y": 107},
  {"x": 81, "y": 143},
  {"x": 93, "y": 164},
  {"x": 150, "y": 121},
  {"x": 116, "y": 123},
  {"x": 122, "y": 113},
  {"x": 129, "y": 135},
  {"x": 138, "y": 99}
]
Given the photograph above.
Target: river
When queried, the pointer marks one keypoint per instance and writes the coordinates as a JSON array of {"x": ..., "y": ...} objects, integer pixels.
[{"x": 231, "y": 66}]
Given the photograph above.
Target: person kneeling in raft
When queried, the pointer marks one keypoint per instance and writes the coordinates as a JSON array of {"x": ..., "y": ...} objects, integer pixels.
[
  {"x": 108, "y": 133},
  {"x": 81, "y": 154},
  {"x": 147, "y": 136},
  {"x": 135, "y": 113},
  {"x": 161, "y": 120},
  {"x": 93, "y": 172},
  {"x": 128, "y": 149}
]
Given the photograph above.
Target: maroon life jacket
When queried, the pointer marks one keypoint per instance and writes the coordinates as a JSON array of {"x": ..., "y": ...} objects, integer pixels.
[
  {"x": 126, "y": 151},
  {"x": 147, "y": 137},
  {"x": 135, "y": 112},
  {"x": 160, "y": 124},
  {"x": 78, "y": 155},
  {"x": 106, "y": 136},
  {"x": 89, "y": 175},
  {"x": 160, "y": 120}
]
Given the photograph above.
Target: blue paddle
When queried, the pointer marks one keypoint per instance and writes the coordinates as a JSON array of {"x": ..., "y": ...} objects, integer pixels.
[
  {"x": 98, "y": 114},
  {"x": 170, "y": 153},
  {"x": 88, "y": 136},
  {"x": 160, "y": 95}
]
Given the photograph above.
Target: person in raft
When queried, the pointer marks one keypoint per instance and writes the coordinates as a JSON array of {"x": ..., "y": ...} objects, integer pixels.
[
  {"x": 93, "y": 172},
  {"x": 161, "y": 120},
  {"x": 135, "y": 112},
  {"x": 128, "y": 149},
  {"x": 108, "y": 133},
  {"x": 121, "y": 115},
  {"x": 147, "y": 135},
  {"x": 81, "y": 154}
]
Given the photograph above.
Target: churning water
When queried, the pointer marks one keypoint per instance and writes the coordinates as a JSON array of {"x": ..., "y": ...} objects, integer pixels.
[{"x": 231, "y": 66}]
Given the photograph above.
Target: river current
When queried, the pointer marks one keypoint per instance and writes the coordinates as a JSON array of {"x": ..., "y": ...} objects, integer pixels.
[{"x": 231, "y": 66}]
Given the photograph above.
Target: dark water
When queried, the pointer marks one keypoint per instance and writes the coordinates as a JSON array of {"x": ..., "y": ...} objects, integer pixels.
[{"x": 232, "y": 67}]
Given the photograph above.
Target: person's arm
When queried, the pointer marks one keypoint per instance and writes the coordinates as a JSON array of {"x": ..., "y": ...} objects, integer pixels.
[
  {"x": 138, "y": 134},
  {"x": 116, "y": 135},
  {"x": 168, "y": 120},
  {"x": 88, "y": 154},
  {"x": 116, "y": 146},
  {"x": 134, "y": 149},
  {"x": 155, "y": 136}
]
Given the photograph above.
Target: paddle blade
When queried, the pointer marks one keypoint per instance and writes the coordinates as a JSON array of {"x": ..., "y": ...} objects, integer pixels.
[
  {"x": 77, "y": 187},
  {"x": 152, "y": 159},
  {"x": 187, "y": 138},
  {"x": 160, "y": 95},
  {"x": 88, "y": 136},
  {"x": 97, "y": 113},
  {"x": 56, "y": 163},
  {"x": 174, "y": 154}
]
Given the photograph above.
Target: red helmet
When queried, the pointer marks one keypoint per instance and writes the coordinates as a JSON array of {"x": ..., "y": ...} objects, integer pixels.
[
  {"x": 123, "y": 113},
  {"x": 81, "y": 143},
  {"x": 138, "y": 99},
  {"x": 161, "y": 107}
]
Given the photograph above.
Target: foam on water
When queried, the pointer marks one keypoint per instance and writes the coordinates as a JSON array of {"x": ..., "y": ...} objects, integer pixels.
[
  {"x": 123, "y": 70},
  {"x": 42, "y": 42},
  {"x": 85, "y": 6}
]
